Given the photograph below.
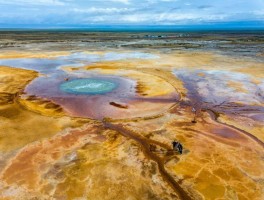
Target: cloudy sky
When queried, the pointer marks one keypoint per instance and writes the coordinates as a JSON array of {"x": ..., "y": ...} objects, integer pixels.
[{"x": 128, "y": 12}]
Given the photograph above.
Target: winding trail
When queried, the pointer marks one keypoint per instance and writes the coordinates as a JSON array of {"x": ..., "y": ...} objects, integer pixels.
[{"x": 145, "y": 144}]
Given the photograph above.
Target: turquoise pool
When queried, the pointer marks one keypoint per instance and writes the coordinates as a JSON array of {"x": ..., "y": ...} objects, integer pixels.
[{"x": 88, "y": 86}]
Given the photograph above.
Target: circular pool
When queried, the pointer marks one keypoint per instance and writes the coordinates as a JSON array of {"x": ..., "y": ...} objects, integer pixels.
[{"x": 88, "y": 86}]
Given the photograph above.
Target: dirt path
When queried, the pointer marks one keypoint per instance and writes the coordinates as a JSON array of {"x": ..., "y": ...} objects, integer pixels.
[{"x": 145, "y": 144}]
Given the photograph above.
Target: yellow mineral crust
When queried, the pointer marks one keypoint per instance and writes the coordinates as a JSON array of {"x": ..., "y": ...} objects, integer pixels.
[
  {"x": 239, "y": 87},
  {"x": 27, "y": 54},
  {"x": 147, "y": 85},
  {"x": 252, "y": 126},
  {"x": 100, "y": 163},
  {"x": 210, "y": 163},
  {"x": 42, "y": 106},
  {"x": 47, "y": 154},
  {"x": 151, "y": 81},
  {"x": 13, "y": 80},
  {"x": 19, "y": 126}
]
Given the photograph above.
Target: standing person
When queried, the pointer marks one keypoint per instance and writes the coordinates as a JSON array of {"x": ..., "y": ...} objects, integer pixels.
[
  {"x": 195, "y": 113},
  {"x": 177, "y": 146}
]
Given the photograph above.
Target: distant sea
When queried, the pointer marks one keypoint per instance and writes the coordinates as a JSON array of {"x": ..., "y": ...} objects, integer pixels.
[{"x": 255, "y": 26}]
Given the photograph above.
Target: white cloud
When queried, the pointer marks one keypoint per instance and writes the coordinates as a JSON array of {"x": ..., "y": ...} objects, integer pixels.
[
  {"x": 95, "y": 10},
  {"x": 121, "y": 1},
  {"x": 128, "y": 11},
  {"x": 259, "y": 13},
  {"x": 160, "y": 18}
]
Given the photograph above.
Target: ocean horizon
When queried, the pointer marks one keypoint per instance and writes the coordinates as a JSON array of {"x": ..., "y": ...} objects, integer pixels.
[{"x": 255, "y": 26}]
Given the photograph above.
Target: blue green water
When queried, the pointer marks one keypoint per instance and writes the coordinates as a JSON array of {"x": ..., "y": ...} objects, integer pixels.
[
  {"x": 88, "y": 86},
  {"x": 234, "y": 26}
]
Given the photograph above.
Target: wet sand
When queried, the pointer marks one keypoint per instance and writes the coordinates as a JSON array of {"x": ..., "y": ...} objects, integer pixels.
[{"x": 56, "y": 145}]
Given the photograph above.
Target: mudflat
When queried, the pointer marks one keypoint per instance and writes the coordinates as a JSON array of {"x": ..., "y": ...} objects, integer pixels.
[{"x": 92, "y": 115}]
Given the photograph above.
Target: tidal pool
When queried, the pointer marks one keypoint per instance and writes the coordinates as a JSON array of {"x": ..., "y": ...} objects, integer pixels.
[{"x": 88, "y": 86}]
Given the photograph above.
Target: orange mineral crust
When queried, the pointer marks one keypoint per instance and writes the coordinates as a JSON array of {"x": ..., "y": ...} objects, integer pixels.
[{"x": 100, "y": 124}]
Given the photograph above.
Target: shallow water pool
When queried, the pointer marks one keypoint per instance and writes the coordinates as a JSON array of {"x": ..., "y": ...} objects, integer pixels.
[{"x": 88, "y": 86}]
